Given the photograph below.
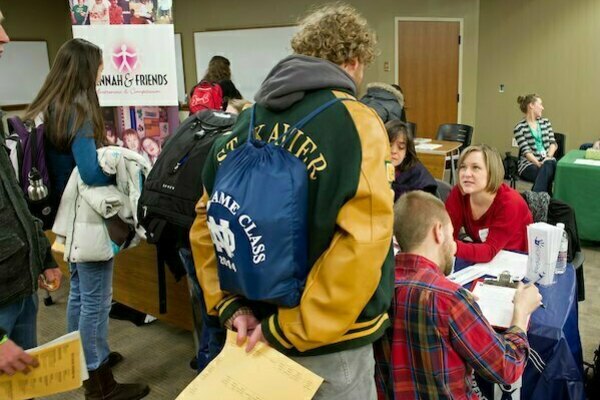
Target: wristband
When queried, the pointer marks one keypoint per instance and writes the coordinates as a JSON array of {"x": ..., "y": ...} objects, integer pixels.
[{"x": 4, "y": 339}]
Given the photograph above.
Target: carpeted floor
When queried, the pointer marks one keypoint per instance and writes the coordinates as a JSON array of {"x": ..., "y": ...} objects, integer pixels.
[
  {"x": 159, "y": 354},
  {"x": 589, "y": 310}
]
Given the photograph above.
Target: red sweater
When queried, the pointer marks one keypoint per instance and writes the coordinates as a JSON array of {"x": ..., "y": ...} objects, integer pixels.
[{"x": 505, "y": 224}]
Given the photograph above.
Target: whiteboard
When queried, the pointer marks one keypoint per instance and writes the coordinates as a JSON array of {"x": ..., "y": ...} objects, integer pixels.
[
  {"x": 252, "y": 52},
  {"x": 179, "y": 65},
  {"x": 23, "y": 69}
]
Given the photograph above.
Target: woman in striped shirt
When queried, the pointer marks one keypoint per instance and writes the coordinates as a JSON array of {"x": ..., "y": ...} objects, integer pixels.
[{"x": 537, "y": 145}]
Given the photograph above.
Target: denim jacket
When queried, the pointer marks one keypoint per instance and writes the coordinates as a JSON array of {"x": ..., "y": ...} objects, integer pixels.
[{"x": 24, "y": 249}]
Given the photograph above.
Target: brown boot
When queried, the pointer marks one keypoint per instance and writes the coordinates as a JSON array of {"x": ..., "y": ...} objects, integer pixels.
[
  {"x": 114, "y": 358},
  {"x": 102, "y": 386}
]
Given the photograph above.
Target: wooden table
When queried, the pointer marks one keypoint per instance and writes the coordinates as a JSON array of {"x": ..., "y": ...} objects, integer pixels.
[
  {"x": 435, "y": 159},
  {"x": 135, "y": 284}
]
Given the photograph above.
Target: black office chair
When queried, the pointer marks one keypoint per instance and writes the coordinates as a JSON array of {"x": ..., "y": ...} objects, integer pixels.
[
  {"x": 412, "y": 129},
  {"x": 443, "y": 189},
  {"x": 511, "y": 169},
  {"x": 561, "y": 140},
  {"x": 455, "y": 133}
]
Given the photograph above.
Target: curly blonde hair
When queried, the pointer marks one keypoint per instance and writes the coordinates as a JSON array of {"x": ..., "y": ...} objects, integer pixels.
[{"x": 335, "y": 32}]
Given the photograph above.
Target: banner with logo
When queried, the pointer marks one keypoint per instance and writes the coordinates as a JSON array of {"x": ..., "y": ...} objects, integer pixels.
[
  {"x": 139, "y": 63},
  {"x": 138, "y": 87}
]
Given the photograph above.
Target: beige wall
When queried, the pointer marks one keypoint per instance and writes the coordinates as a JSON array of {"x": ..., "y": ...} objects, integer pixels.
[
  {"x": 38, "y": 20},
  {"x": 190, "y": 18},
  {"x": 549, "y": 47},
  {"x": 50, "y": 21},
  {"x": 538, "y": 46}
]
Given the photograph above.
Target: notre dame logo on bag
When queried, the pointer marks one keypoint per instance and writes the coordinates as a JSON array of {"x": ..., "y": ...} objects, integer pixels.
[
  {"x": 261, "y": 190},
  {"x": 223, "y": 239},
  {"x": 231, "y": 229}
]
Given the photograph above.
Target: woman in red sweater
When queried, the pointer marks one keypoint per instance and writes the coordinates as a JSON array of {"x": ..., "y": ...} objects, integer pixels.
[{"x": 493, "y": 215}]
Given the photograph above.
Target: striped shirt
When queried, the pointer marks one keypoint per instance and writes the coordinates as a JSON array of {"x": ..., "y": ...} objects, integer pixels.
[
  {"x": 526, "y": 141},
  {"x": 439, "y": 336}
]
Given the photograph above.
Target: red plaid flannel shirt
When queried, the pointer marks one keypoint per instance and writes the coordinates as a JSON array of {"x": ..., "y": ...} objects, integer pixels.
[{"x": 439, "y": 336}]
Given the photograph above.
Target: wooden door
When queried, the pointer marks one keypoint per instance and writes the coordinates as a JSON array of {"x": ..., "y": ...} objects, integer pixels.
[{"x": 428, "y": 56}]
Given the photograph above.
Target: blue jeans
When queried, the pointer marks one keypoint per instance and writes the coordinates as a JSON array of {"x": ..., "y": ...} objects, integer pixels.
[
  {"x": 89, "y": 303},
  {"x": 212, "y": 338},
  {"x": 542, "y": 177},
  {"x": 19, "y": 319}
]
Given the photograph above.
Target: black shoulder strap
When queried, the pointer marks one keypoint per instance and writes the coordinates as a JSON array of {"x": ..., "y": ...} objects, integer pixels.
[{"x": 33, "y": 150}]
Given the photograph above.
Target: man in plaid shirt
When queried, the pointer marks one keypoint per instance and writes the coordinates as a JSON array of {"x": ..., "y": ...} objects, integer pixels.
[{"x": 439, "y": 333}]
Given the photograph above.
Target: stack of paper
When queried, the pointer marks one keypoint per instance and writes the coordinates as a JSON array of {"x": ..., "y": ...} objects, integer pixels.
[
  {"x": 422, "y": 140},
  {"x": 467, "y": 275},
  {"x": 514, "y": 263},
  {"x": 496, "y": 303},
  {"x": 544, "y": 244},
  {"x": 262, "y": 374},
  {"x": 427, "y": 146},
  {"x": 593, "y": 163},
  {"x": 62, "y": 368},
  {"x": 592, "y": 154}
]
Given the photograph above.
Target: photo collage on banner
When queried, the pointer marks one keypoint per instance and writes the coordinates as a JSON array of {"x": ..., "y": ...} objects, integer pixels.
[
  {"x": 138, "y": 87},
  {"x": 120, "y": 12},
  {"x": 143, "y": 129}
]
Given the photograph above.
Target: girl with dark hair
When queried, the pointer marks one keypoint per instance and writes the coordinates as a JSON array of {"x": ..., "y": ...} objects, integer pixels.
[
  {"x": 68, "y": 106},
  {"x": 215, "y": 89},
  {"x": 410, "y": 173},
  {"x": 219, "y": 69}
]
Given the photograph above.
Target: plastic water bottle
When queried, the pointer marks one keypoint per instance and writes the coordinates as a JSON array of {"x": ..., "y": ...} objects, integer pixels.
[{"x": 561, "y": 261}]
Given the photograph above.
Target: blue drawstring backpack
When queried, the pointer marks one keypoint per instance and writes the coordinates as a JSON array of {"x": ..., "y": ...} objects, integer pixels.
[{"x": 257, "y": 217}]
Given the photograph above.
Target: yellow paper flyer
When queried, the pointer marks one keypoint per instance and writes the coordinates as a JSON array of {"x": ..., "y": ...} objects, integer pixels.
[
  {"x": 60, "y": 370},
  {"x": 262, "y": 374}
]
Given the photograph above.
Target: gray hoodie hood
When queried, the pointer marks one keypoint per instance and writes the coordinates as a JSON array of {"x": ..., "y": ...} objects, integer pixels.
[{"x": 293, "y": 76}]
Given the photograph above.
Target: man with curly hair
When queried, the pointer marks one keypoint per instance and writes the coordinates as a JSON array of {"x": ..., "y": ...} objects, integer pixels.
[{"x": 346, "y": 152}]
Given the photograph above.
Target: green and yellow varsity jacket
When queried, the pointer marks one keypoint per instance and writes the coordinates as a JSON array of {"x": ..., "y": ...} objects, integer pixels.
[{"x": 350, "y": 286}]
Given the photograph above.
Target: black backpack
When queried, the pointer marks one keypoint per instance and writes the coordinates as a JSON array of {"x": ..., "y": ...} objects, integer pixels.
[
  {"x": 592, "y": 376},
  {"x": 511, "y": 169},
  {"x": 166, "y": 207}
]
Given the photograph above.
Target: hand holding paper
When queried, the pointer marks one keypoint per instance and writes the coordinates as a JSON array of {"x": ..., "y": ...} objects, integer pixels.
[
  {"x": 244, "y": 324},
  {"x": 61, "y": 368},
  {"x": 13, "y": 359},
  {"x": 261, "y": 374},
  {"x": 504, "y": 306}
]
